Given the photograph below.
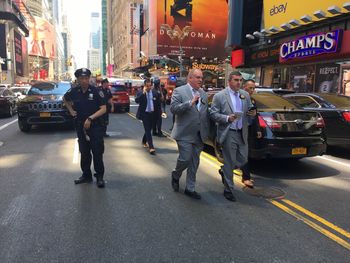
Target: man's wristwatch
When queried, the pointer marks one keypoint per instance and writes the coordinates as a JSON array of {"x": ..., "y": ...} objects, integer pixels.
[{"x": 89, "y": 118}]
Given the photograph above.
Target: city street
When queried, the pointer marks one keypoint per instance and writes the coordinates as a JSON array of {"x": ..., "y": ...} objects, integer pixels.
[{"x": 44, "y": 217}]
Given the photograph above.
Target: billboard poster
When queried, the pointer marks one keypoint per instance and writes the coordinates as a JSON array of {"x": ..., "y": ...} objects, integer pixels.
[
  {"x": 327, "y": 78},
  {"x": 3, "y": 52},
  {"x": 42, "y": 38},
  {"x": 192, "y": 27},
  {"x": 278, "y": 12},
  {"x": 18, "y": 53}
]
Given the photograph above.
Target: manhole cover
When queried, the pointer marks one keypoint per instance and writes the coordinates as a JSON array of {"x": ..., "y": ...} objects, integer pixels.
[{"x": 265, "y": 192}]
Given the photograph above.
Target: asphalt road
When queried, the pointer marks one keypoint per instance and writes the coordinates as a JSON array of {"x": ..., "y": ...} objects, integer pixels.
[{"x": 44, "y": 217}]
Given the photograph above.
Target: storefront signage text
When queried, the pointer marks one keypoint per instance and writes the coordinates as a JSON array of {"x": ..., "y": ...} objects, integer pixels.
[
  {"x": 312, "y": 45},
  {"x": 275, "y": 10},
  {"x": 202, "y": 66}
]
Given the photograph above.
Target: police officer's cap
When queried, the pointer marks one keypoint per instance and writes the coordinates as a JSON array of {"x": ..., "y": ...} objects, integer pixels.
[{"x": 82, "y": 72}]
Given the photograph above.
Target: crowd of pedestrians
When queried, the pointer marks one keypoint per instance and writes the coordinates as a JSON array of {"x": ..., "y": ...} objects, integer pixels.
[{"x": 232, "y": 110}]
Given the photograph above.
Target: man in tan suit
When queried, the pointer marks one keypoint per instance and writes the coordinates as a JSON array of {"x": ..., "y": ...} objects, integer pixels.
[
  {"x": 230, "y": 110},
  {"x": 189, "y": 104}
]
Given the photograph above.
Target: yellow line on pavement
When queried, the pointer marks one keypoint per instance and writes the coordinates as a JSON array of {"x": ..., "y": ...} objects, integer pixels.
[
  {"x": 320, "y": 229},
  {"x": 318, "y": 218}
]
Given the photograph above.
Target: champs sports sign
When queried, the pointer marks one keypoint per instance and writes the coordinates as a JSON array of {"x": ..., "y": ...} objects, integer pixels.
[{"x": 311, "y": 45}]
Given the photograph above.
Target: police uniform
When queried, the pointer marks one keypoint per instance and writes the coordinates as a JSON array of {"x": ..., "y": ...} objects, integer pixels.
[
  {"x": 91, "y": 144},
  {"x": 108, "y": 95}
]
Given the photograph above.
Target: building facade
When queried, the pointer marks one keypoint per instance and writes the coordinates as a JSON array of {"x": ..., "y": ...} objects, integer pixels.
[
  {"x": 302, "y": 49},
  {"x": 13, "y": 44},
  {"x": 94, "y": 60}
]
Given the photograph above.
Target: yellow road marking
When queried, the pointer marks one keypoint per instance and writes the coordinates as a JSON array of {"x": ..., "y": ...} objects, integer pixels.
[
  {"x": 318, "y": 218},
  {"x": 214, "y": 162},
  {"x": 320, "y": 229}
]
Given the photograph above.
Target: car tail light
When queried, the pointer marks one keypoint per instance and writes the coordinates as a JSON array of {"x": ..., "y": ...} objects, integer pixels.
[
  {"x": 320, "y": 122},
  {"x": 346, "y": 116},
  {"x": 268, "y": 121}
]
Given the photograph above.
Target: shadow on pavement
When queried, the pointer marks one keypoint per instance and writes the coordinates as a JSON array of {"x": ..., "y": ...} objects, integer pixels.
[{"x": 292, "y": 169}]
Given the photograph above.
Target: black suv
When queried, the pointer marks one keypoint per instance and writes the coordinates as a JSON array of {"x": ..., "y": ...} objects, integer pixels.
[{"x": 44, "y": 105}]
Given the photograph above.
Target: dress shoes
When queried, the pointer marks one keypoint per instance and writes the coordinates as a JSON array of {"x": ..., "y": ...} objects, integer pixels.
[
  {"x": 193, "y": 194},
  {"x": 106, "y": 135},
  {"x": 175, "y": 184},
  {"x": 83, "y": 180},
  {"x": 152, "y": 151},
  {"x": 161, "y": 135},
  {"x": 100, "y": 183},
  {"x": 229, "y": 196}
]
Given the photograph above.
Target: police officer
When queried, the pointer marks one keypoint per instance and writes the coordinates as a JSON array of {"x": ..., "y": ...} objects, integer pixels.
[
  {"x": 109, "y": 103},
  {"x": 87, "y": 104}
]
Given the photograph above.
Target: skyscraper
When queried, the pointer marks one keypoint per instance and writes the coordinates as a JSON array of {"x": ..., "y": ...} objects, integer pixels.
[{"x": 94, "y": 53}]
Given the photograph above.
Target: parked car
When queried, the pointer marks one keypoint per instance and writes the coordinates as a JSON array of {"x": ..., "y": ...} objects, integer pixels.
[
  {"x": 20, "y": 92},
  {"x": 288, "y": 131},
  {"x": 335, "y": 110},
  {"x": 121, "y": 98},
  {"x": 8, "y": 101},
  {"x": 44, "y": 105}
]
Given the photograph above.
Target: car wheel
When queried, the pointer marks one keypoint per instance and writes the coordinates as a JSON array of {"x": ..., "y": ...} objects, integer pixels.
[
  {"x": 218, "y": 151},
  {"x": 24, "y": 126}
]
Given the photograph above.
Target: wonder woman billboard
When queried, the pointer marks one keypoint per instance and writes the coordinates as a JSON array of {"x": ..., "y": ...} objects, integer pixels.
[{"x": 194, "y": 27}]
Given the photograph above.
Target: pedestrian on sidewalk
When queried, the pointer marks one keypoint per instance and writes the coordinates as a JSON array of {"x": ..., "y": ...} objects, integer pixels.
[
  {"x": 189, "y": 104},
  {"x": 232, "y": 110},
  {"x": 109, "y": 103},
  {"x": 157, "y": 117},
  {"x": 87, "y": 105},
  {"x": 148, "y": 101}
]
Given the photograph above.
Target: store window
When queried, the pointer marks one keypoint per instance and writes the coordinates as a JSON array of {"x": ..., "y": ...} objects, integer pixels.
[
  {"x": 302, "y": 78},
  {"x": 280, "y": 78},
  {"x": 346, "y": 81},
  {"x": 327, "y": 78}
]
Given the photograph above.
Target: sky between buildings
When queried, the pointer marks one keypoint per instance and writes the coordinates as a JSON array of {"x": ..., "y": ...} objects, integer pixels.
[{"x": 78, "y": 13}]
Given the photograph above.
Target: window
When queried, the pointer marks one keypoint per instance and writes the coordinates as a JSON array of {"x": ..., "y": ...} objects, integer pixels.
[{"x": 304, "y": 101}]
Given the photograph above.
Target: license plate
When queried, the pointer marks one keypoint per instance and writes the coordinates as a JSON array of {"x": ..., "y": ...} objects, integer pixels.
[
  {"x": 45, "y": 114},
  {"x": 300, "y": 150}
]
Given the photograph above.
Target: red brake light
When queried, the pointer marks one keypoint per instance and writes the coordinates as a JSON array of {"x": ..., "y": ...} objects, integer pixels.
[
  {"x": 346, "y": 116},
  {"x": 320, "y": 122},
  {"x": 265, "y": 121},
  {"x": 262, "y": 123}
]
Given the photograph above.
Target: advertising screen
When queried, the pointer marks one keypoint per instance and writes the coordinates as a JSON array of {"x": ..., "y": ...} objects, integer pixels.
[
  {"x": 192, "y": 27},
  {"x": 279, "y": 12},
  {"x": 42, "y": 38}
]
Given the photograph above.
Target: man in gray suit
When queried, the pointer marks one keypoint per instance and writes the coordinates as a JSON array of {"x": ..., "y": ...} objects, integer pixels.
[
  {"x": 230, "y": 109},
  {"x": 189, "y": 104}
]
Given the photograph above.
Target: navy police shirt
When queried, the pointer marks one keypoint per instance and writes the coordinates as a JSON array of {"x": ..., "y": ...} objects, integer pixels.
[{"x": 85, "y": 104}]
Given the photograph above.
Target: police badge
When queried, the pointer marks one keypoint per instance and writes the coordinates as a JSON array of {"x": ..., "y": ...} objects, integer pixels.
[
  {"x": 101, "y": 94},
  {"x": 91, "y": 96}
]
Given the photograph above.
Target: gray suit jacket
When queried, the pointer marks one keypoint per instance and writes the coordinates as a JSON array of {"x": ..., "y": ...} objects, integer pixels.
[
  {"x": 222, "y": 106},
  {"x": 188, "y": 120}
]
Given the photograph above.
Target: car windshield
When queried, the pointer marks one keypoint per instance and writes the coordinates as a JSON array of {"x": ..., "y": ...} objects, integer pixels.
[
  {"x": 271, "y": 101},
  {"x": 116, "y": 88},
  {"x": 23, "y": 91},
  {"x": 49, "y": 88},
  {"x": 338, "y": 101}
]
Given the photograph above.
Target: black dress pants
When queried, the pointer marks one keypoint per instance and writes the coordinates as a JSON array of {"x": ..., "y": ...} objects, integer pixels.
[
  {"x": 91, "y": 147},
  {"x": 147, "y": 122}
]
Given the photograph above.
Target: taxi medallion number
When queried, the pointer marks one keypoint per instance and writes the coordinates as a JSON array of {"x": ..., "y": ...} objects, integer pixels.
[
  {"x": 45, "y": 114},
  {"x": 299, "y": 150}
]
